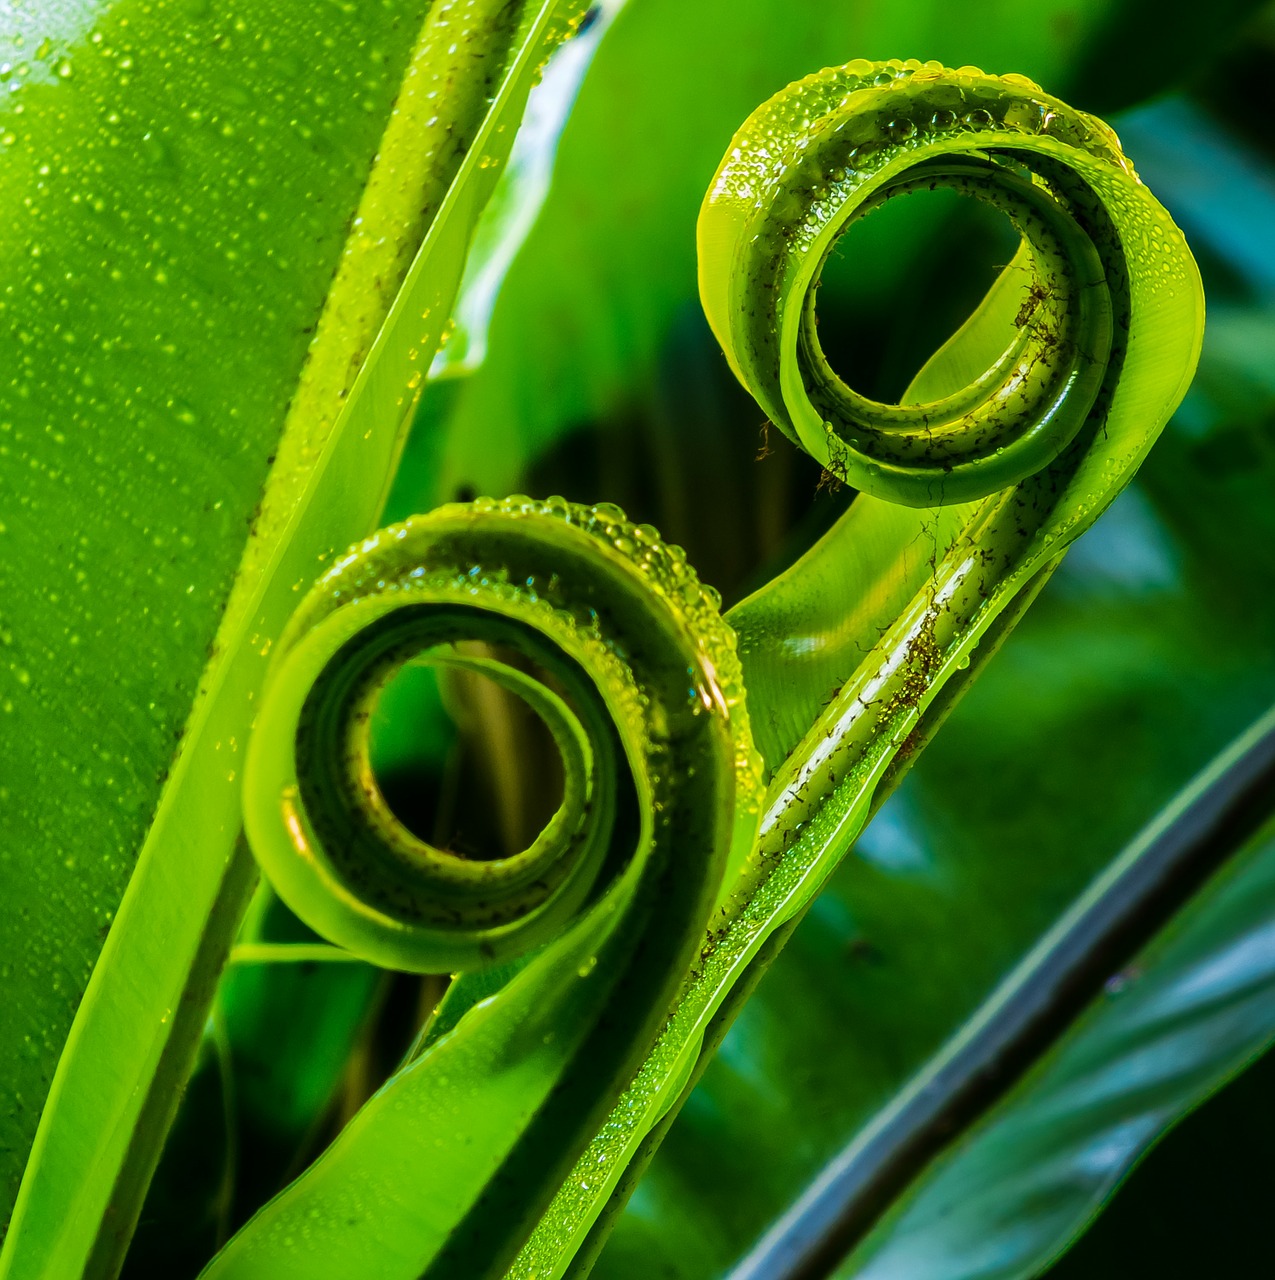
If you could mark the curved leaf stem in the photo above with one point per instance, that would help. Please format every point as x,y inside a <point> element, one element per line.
<point>291,953</point>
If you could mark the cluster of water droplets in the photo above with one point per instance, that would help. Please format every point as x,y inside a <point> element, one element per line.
<point>843,124</point>
<point>175,182</point>
<point>666,572</point>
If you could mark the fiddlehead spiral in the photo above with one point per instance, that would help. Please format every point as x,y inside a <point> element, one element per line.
<point>837,145</point>
<point>1042,405</point>
<point>593,926</point>
<point>642,676</point>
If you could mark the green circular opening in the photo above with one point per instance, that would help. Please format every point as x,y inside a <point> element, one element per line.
<point>902,280</point>
<point>461,761</point>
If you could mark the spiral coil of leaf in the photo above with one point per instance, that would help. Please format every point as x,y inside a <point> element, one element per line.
<point>836,146</point>
<point>643,693</point>
<point>645,676</point>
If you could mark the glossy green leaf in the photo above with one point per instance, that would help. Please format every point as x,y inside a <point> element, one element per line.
<point>288,1029</point>
<point>444,1172</point>
<point>1181,1017</point>
<point>1025,1142</point>
<point>888,963</point>
<point>292,1028</point>
<point>519,196</point>
<point>1201,1171</point>
<point>189,1209</point>
<point>1208,1169</point>
<point>166,268</point>
<point>190,215</point>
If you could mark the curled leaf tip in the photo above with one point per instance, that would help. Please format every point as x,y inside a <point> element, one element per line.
<point>633,663</point>
<point>622,934</point>
<point>834,147</point>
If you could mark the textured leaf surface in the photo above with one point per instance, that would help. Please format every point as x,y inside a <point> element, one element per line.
<point>1112,937</point>
<point>290,1029</point>
<point>447,1168</point>
<point>652,327</point>
<point>404,580</point>
<point>176,190</point>
<point>820,793</point>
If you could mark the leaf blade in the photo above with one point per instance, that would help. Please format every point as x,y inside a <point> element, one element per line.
<point>90,1160</point>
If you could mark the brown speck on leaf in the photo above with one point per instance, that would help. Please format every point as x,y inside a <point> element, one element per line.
<point>763,449</point>
<point>861,951</point>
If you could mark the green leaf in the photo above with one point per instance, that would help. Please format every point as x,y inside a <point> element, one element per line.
<point>1172,1017</point>
<point>593,924</point>
<point>294,508</point>
<point>188,1211</point>
<point>168,268</point>
<point>182,184</point>
<point>292,1031</point>
<point>1201,1171</point>
<point>1075,413</point>
<point>290,1017</point>
<point>1065,744</point>
<point>1184,1017</point>
<point>893,684</point>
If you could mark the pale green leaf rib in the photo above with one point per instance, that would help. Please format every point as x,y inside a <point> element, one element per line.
<point>519,196</point>
<point>289,953</point>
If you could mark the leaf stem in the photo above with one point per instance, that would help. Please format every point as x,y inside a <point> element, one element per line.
<point>291,953</point>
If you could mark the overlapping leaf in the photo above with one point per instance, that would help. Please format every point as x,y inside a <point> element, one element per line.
<point>176,190</point>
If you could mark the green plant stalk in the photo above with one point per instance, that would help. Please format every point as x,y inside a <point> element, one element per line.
<point>138,1025</point>
<point>1009,444</point>
<point>965,565</point>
